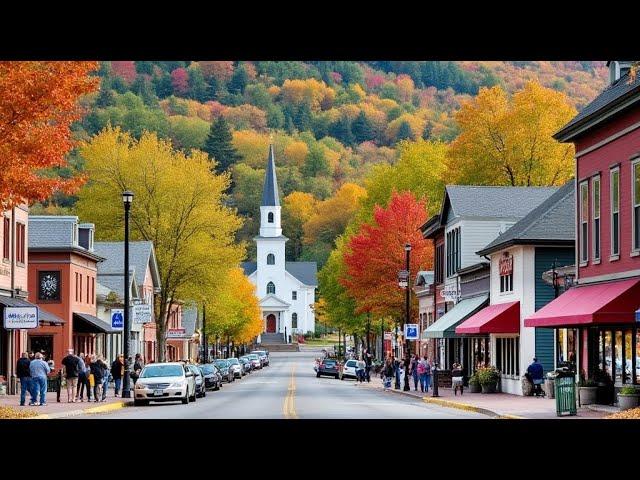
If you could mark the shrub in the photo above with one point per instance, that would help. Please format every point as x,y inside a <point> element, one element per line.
<point>488,375</point>
<point>473,380</point>
<point>588,382</point>
<point>628,390</point>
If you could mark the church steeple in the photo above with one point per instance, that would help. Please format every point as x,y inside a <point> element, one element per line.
<point>270,197</point>
<point>270,206</point>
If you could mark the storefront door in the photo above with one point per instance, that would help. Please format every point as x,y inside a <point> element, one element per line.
<point>619,354</point>
<point>41,343</point>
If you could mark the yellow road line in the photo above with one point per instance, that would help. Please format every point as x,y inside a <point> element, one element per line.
<point>289,406</point>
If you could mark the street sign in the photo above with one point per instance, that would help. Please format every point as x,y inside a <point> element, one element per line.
<point>176,333</point>
<point>388,335</point>
<point>16,318</point>
<point>141,313</point>
<point>411,331</point>
<point>403,278</point>
<point>117,318</point>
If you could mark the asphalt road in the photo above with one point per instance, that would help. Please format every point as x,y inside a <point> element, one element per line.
<point>288,389</point>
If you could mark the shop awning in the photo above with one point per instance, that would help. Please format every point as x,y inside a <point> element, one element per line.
<point>498,318</point>
<point>85,323</point>
<point>43,315</point>
<point>445,326</point>
<point>612,302</point>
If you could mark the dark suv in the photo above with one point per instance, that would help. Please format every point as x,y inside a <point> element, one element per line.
<point>328,367</point>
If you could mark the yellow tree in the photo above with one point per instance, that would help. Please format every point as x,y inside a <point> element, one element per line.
<point>508,140</point>
<point>297,208</point>
<point>332,215</point>
<point>178,205</point>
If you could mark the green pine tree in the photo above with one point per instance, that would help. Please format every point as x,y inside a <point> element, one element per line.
<point>362,128</point>
<point>428,128</point>
<point>404,132</point>
<point>219,147</point>
<point>239,80</point>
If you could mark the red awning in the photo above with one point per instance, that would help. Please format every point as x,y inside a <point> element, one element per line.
<point>498,318</point>
<point>613,302</point>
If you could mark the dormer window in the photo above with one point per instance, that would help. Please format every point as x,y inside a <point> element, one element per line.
<point>270,217</point>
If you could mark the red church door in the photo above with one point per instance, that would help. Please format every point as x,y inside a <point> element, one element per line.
<point>271,323</point>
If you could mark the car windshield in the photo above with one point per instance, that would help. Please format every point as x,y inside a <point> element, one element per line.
<point>254,357</point>
<point>259,353</point>
<point>221,364</point>
<point>233,361</point>
<point>206,369</point>
<point>329,363</point>
<point>153,371</point>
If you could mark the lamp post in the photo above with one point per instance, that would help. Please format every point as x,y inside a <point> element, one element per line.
<point>204,333</point>
<point>404,277</point>
<point>127,198</point>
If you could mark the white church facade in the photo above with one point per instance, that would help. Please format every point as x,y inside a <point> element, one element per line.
<point>286,289</point>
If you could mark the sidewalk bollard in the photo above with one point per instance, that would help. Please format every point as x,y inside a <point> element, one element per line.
<point>434,390</point>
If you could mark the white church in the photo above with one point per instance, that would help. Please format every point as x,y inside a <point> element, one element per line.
<point>286,289</point>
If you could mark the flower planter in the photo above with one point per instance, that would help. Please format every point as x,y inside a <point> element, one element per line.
<point>588,395</point>
<point>489,388</point>
<point>625,402</point>
<point>475,388</point>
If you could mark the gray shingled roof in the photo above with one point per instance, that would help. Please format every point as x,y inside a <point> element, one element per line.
<point>424,277</point>
<point>551,221</point>
<point>140,255</point>
<point>51,231</point>
<point>496,201</point>
<point>270,195</point>
<point>115,283</point>
<point>189,320</point>
<point>617,91</point>
<point>306,272</point>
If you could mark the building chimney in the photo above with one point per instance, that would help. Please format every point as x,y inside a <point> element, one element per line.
<point>85,234</point>
<point>617,69</point>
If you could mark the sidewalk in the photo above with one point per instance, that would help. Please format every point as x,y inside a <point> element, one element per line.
<point>497,405</point>
<point>64,409</point>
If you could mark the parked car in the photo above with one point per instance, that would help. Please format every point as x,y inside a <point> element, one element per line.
<point>165,382</point>
<point>201,390</point>
<point>212,376</point>
<point>349,369</point>
<point>264,357</point>
<point>225,370</point>
<point>236,367</point>
<point>328,367</point>
<point>246,364</point>
<point>256,363</point>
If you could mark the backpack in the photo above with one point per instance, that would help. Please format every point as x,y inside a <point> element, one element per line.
<point>421,368</point>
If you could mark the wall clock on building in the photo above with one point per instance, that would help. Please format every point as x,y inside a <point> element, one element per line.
<point>49,286</point>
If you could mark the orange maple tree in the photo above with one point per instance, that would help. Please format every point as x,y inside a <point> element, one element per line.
<point>38,103</point>
<point>375,255</point>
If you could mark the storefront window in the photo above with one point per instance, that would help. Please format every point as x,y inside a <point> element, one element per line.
<point>608,350</point>
<point>628,377</point>
<point>619,356</point>
<point>560,351</point>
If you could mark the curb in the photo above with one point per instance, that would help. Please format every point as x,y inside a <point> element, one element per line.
<point>74,413</point>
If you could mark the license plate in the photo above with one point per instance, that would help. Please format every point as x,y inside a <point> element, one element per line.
<point>157,392</point>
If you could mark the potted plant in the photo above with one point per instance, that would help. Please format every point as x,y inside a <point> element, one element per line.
<point>587,390</point>
<point>488,378</point>
<point>474,384</point>
<point>628,397</point>
<point>606,391</point>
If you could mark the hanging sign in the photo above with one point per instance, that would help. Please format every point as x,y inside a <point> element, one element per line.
<point>506,264</point>
<point>176,333</point>
<point>16,318</point>
<point>141,313</point>
<point>117,318</point>
<point>388,335</point>
<point>411,331</point>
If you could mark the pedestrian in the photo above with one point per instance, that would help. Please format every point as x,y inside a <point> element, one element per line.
<point>83,377</point>
<point>396,369</point>
<point>360,366</point>
<point>117,372</point>
<point>138,365</point>
<point>368,361</point>
<point>22,370</point>
<point>414,371</point>
<point>421,371</point>
<point>427,372</point>
<point>457,379</point>
<point>71,367</point>
<point>106,372</point>
<point>38,369</point>
<point>97,370</point>
<point>388,371</point>
<point>536,374</point>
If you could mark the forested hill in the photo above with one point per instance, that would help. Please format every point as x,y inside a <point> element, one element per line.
<point>330,121</point>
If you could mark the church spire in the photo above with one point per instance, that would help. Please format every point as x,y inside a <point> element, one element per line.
<point>270,197</point>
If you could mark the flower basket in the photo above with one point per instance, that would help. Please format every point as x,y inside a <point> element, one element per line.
<point>474,384</point>
<point>488,378</point>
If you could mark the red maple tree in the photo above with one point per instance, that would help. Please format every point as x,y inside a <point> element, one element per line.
<point>180,81</point>
<point>376,254</point>
<point>38,103</point>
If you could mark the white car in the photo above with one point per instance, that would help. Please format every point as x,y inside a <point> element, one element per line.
<point>165,382</point>
<point>236,367</point>
<point>264,357</point>
<point>349,369</point>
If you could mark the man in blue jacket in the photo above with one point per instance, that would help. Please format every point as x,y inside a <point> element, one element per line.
<point>535,371</point>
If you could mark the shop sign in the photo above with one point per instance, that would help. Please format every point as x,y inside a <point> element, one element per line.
<point>176,333</point>
<point>506,264</point>
<point>388,335</point>
<point>17,318</point>
<point>117,318</point>
<point>141,313</point>
<point>450,292</point>
<point>411,331</point>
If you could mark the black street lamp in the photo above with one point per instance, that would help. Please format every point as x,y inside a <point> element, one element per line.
<point>204,333</point>
<point>127,198</point>
<point>407,357</point>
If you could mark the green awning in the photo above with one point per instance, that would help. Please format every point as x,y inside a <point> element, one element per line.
<point>445,326</point>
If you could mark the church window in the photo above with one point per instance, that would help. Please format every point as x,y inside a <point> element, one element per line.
<point>271,259</point>
<point>270,217</point>
<point>294,295</point>
<point>271,288</point>
<point>294,320</point>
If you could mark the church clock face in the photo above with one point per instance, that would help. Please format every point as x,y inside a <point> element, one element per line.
<point>49,286</point>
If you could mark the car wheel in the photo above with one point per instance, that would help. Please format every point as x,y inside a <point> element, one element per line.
<point>204,394</point>
<point>185,400</point>
<point>192,398</point>
<point>337,377</point>
<point>342,377</point>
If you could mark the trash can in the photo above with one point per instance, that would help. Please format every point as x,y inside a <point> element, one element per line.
<point>565,396</point>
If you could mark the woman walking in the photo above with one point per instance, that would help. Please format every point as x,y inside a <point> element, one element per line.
<point>414,371</point>
<point>97,371</point>
<point>83,377</point>
<point>388,372</point>
<point>117,372</point>
<point>360,366</point>
<point>138,365</point>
